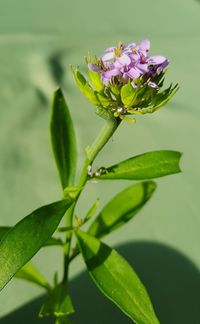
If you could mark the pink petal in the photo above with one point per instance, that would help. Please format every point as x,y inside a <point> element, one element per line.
<point>143,68</point>
<point>124,60</point>
<point>133,73</point>
<point>134,57</point>
<point>145,45</point>
<point>107,75</point>
<point>110,49</point>
<point>156,60</point>
<point>94,67</point>
<point>108,56</point>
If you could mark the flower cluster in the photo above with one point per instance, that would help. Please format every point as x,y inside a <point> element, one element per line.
<point>129,62</point>
<point>126,80</point>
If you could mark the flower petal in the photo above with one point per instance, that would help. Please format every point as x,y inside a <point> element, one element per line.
<point>162,66</point>
<point>108,56</point>
<point>110,49</point>
<point>124,60</point>
<point>143,68</point>
<point>133,73</point>
<point>94,67</point>
<point>156,60</point>
<point>135,57</point>
<point>128,47</point>
<point>145,45</point>
<point>107,75</point>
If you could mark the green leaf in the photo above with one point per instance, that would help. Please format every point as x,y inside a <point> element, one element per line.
<point>145,166</point>
<point>85,87</point>
<point>91,211</point>
<point>96,80</point>
<point>128,95</point>
<point>30,273</point>
<point>163,97</point>
<point>116,279</point>
<point>122,208</point>
<point>104,100</point>
<point>23,240</point>
<point>53,241</point>
<point>50,242</point>
<point>63,320</point>
<point>63,139</point>
<point>3,231</point>
<point>58,303</point>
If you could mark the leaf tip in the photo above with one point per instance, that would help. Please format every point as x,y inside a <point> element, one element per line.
<point>179,161</point>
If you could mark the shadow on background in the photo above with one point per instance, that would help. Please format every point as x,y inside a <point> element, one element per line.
<point>172,281</point>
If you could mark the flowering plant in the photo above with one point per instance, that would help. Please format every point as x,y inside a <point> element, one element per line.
<point>124,81</point>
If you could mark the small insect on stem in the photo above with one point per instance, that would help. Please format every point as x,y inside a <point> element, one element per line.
<point>100,171</point>
<point>97,173</point>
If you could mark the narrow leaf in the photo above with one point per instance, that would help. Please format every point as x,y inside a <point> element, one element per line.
<point>96,80</point>
<point>30,273</point>
<point>85,87</point>
<point>122,208</point>
<point>23,240</point>
<point>53,241</point>
<point>145,166</point>
<point>91,211</point>
<point>63,320</point>
<point>63,139</point>
<point>116,279</point>
<point>58,303</point>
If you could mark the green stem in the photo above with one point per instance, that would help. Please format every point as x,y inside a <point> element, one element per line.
<point>104,136</point>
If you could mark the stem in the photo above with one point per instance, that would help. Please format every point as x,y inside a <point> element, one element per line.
<point>104,136</point>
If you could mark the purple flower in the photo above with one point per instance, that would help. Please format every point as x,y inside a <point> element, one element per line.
<point>94,67</point>
<point>125,80</point>
<point>129,62</point>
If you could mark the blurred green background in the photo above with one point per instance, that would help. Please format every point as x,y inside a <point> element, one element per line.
<point>38,41</point>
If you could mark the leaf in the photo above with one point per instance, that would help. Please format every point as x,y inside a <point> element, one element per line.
<point>58,303</point>
<point>63,139</point>
<point>91,211</point>
<point>50,242</point>
<point>116,279</point>
<point>85,87</point>
<point>96,80</point>
<point>145,166</point>
<point>104,101</point>
<point>3,231</point>
<point>122,208</point>
<point>53,241</point>
<point>23,240</point>
<point>128,95</point>
<point>163,97</point>
<point>30,273</point>
<point>63,320</point>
